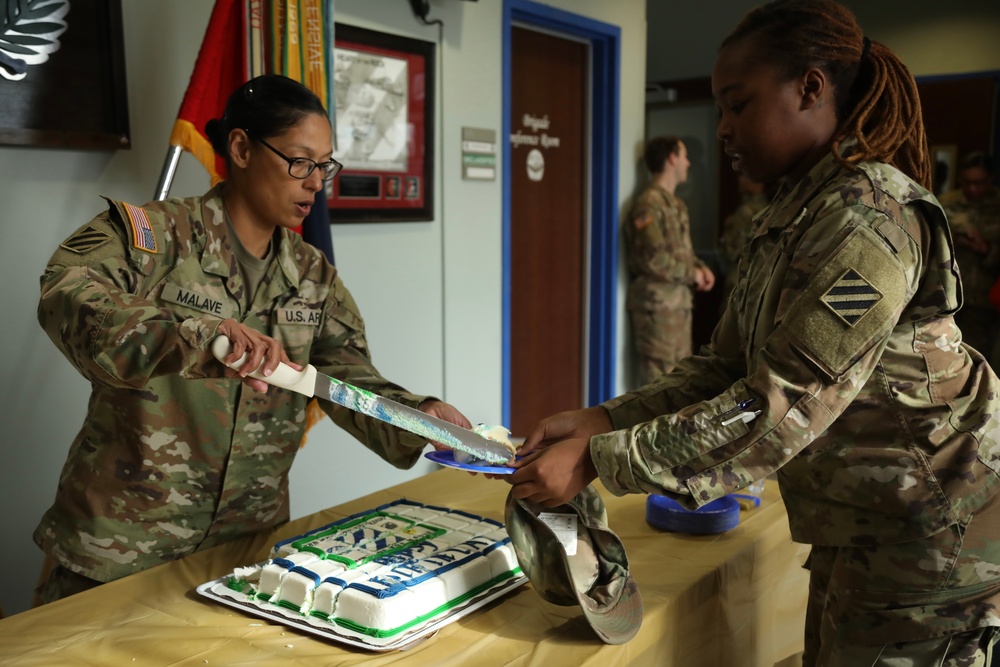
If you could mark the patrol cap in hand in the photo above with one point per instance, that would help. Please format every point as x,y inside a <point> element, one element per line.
<point>596,577</point>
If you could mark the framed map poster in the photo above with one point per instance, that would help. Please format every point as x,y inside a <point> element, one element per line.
<point>384,114</point>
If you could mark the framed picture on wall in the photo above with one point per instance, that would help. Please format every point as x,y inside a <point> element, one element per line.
<point>62,75</point>
<point>384,116</point>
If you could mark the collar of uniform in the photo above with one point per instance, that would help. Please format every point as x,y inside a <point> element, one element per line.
<point>790,199</point>
<point>670,198</point>
<point>217,258</point>
<point>286,256</point>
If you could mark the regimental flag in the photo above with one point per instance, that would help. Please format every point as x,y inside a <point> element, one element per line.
<point>851,297</point>
<point>301,42</point>
<point>316,226</point>
<point>301,48</point>
<point>221,67</point>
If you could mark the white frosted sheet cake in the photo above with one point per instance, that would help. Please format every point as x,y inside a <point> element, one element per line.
<point>380,575</point>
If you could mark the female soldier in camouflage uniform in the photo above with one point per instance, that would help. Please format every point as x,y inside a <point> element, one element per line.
<point>173,457</point>
<point>838,364</point>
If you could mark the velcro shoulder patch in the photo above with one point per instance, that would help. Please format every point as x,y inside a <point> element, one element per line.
<point>140,232</point>
<point>643,221</point>
<point>143,237</point>
<point>851,297</point>
<point>849,304</point>
<point>85,240</point>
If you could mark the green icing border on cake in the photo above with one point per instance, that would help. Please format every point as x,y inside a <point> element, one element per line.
<point>238,585</point>
<point>451,604</point>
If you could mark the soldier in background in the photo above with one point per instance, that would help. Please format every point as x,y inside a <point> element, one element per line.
<point>738,227</point>
<point>841,371</point>
<point>661,263</point>
<point>176,454</point>
<point>974,214</point>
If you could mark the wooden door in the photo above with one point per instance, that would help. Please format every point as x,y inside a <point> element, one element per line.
<point>548,231</point>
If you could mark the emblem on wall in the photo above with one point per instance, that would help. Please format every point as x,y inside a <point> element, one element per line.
<point>29,32</point>
<point>536,164</point>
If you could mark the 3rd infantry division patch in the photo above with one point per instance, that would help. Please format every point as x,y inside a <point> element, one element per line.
<point>851,297</point>
<point>87,239</point>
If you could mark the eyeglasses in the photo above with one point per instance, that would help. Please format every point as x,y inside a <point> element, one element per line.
<point>302,167</point>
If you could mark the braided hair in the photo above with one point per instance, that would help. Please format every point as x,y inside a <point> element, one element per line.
<point>876,98</point>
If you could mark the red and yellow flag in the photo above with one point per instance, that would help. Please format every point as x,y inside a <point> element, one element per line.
<point>220,68</point>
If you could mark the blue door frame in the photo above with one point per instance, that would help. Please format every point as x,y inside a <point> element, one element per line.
<point>605,43</point>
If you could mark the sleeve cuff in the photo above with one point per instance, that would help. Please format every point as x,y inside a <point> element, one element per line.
<point>610,454</point>
<point>614,409</point>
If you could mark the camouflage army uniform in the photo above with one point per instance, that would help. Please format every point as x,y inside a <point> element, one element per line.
<point>736,232</point>
<point>169,461</point>
<point>881,426</point>
<point>978,319</point>
<point>661,263</point>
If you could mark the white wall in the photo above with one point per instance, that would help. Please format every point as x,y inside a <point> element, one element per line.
<point>429,291</point>
<point>930,36</point>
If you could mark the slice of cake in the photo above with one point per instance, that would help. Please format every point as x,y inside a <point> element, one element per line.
<point>496,433</point>
<point>382,573</point>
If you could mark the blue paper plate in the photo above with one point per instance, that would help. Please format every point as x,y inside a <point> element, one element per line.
<point>717,516</point>
<point>446,457</point>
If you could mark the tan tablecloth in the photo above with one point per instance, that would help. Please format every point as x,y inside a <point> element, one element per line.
<point>732,599</point>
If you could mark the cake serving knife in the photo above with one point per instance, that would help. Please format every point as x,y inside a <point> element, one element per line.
<point>311,382</point>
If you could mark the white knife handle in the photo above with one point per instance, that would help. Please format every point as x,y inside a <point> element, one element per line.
<point>284,376</point>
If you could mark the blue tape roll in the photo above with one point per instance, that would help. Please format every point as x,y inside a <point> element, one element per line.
<point>717,516</point>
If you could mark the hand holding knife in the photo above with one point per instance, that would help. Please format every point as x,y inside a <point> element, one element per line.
<point>310,382</point>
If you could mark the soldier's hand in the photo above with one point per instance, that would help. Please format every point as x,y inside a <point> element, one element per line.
<point>553,475</point>
<point>262,352</point>
<point>563,425</point>
<point>447,412</point>
<point>972,238</point>
<point>704,279</point>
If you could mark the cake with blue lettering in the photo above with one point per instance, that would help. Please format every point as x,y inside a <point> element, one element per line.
<point>383,573</point>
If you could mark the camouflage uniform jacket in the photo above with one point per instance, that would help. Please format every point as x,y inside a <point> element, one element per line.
<point>881,426</point>
<point>168,460</point>
<point>736,232</point>
<point>979,271</point>
<point>661,259</point>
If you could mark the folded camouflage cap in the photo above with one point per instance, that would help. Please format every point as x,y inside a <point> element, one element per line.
<point>596,577</point>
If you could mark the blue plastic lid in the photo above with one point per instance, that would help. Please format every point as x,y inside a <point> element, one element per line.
<point>717,516</point>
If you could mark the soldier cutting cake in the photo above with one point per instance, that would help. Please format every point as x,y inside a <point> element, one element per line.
<point>174,456</point>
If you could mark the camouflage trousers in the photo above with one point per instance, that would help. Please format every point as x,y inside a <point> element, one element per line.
<point>57,582</point>
<point>662,338</point>
<point>926,602</point>
<point>966,649</point>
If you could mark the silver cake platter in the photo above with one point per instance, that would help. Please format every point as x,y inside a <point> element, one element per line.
<point>218,591</point>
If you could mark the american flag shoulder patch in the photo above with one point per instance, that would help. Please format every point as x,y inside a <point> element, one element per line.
<point>851,297</point>
<point>143,237</point>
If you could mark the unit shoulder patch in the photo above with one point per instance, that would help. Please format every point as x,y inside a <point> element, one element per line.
<point>849,304</point>
<point>851,297</point>
<point>86,240</point>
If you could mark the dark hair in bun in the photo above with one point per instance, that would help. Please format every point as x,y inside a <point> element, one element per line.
<point>265,106</point>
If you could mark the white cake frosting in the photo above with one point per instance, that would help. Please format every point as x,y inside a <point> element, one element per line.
<point>383,572</point>
<point>494,432</point>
